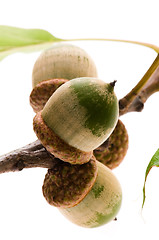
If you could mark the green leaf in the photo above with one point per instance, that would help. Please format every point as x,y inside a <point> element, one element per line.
<point>153,162</point>
<point>14,39</point>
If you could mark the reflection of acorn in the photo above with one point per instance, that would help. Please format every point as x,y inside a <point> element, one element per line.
<point>54,67</point>
<point>114,149</point>
<point>89,195</point>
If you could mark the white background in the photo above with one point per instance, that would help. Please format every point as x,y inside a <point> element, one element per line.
<point>24,213</point>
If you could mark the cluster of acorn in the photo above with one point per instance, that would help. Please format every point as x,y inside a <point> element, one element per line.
<point>77,121</point>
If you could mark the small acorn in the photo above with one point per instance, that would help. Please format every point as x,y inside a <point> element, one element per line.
<point>113,150</point>
<point>54,67</point>
<point>89,195</point>
<point>79,116</point>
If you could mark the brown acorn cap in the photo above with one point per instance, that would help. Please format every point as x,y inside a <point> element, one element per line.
<point>43,91</point>
<point>56,145</point>
<point>113,150</point>
<point>66,185</point>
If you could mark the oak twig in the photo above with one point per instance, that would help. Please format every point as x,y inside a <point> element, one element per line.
<point>32,155</point>
<point>149,84</point>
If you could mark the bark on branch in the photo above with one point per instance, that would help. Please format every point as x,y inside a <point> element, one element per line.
<point>134,101</point>
<point>29,156</point>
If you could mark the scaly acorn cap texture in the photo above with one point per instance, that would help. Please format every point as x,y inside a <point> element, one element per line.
<point>56,146</point>
<point>43,91</point>
<point>66,185</point>
<point>112,152</point>
<point>63,61</point>
<point>101,204</point>
<point>83,112</point>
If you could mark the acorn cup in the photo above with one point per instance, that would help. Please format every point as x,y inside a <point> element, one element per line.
<point>56,66</point>
<point>43,91</point>
<point>79,116</point>
<point>112,152</point>
<point>66,185</point>
<point>89,195</point>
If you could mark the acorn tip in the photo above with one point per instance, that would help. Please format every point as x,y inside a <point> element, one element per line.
<point>113,83</point>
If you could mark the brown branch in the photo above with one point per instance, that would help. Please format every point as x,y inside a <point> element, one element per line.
<point>149,84</point>
<point>30,156</point>
<point>150,88</point>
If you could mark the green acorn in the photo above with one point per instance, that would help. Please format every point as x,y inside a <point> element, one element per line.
<point>82,113</point>
<point>101,204</point>
<point>113,150</point>
<point>58,64</point>
<point>89,195</point>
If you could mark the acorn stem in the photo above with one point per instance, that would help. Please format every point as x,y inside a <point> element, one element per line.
<point>113,83</point>
<point>149,84</point>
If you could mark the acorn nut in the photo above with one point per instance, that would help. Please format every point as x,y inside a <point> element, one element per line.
<point>54,67</point>
<point>101,204</point>
<point>89,195</point>
<point>79,116</point>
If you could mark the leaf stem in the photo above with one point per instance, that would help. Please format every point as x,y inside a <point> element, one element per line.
<point>152,46</point>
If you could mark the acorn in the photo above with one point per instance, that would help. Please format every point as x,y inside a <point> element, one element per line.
<point>79,116</point>
<point>54,67</point>
<point>112,152</point>
<point>97,205</point>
